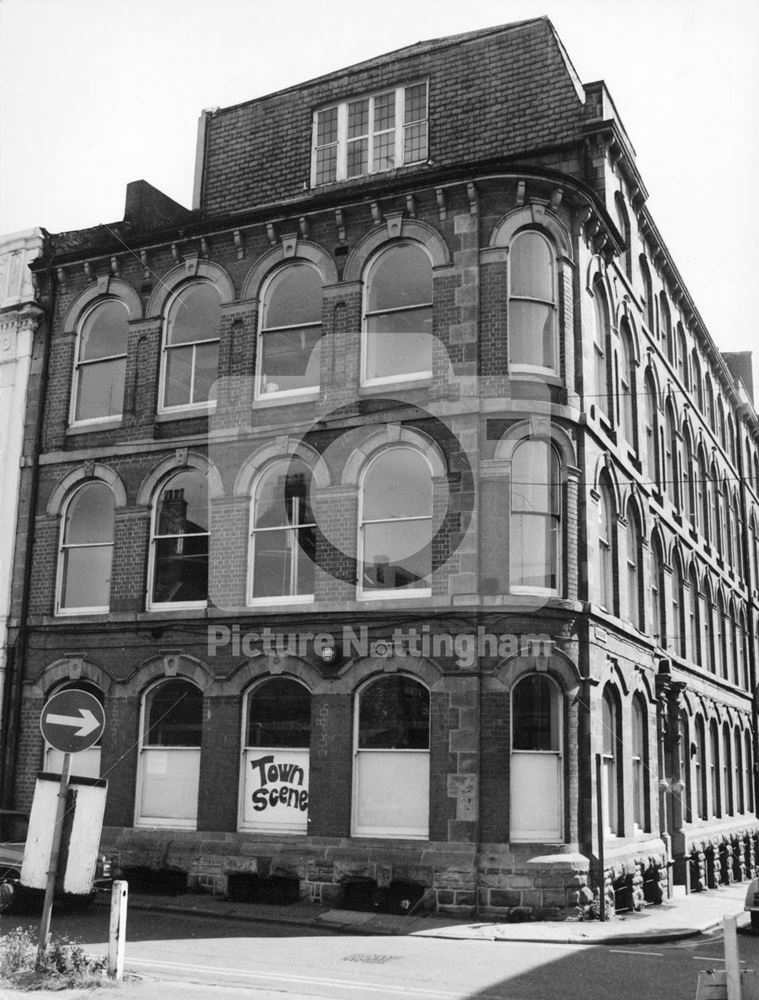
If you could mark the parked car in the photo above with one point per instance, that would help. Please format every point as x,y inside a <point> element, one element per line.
<point>752,903</point>
<point>13,894</point>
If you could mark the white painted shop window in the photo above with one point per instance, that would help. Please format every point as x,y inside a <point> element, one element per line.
<point>532,318</point>
<point>179,550</point>
<point>282,535</point>
<point>190,355</point>
<point>101,351</point>
<point>86,763</point>
<point>391,769</point>
<point>168,769</point>
<point>395,525</point>
<point>611,754</point>
<point>274,779</point>
<point>536,775</point>
<point>370,135</point>
<point>640,763</point>
<point>290,330</point>
<point>86,551</point>
<point>397,338</point>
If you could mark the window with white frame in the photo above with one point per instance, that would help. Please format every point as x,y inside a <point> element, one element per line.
<point>740,798</point>
<point>694,638</point>
<point>85,763</point>
<point>677,631</point>
<point>275,757</point>
<point>716,803</point>
<point>398,316</point>
<point>535,529</point>
<point>169,763</point>
<point>536,776</point>
<point>86,550</point>
<point>101,363</point>
<point>395,543</point>
<point>627,408</point>
<point>371,134</point>
<point>180,541</point>
<point>391,777</point>
<point>610,757</point>
<point>727,769</point>
<point>532,316</point>
<point>190,358</point>
<point>290,330</point>
<point>639,764</point>
<point>600,347</point>
<point>657,592</point>
<point>282,534</point>
<point>605,555</point>
<point>700,768</point>
<point>634,604</point>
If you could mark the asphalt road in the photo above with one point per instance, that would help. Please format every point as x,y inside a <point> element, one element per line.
<point>230,960</point>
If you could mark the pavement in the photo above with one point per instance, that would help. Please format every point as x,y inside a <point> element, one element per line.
<point>683,917</point>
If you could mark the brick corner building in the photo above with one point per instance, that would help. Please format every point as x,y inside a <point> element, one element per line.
<point>399,507</point>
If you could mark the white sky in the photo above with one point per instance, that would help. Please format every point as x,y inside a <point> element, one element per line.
<point>96,93</point>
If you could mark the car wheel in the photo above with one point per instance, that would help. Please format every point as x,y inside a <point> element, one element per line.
<point>8,896</point>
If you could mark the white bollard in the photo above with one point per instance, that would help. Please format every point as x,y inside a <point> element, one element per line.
<point>117,933</point>
<point>732,961</point>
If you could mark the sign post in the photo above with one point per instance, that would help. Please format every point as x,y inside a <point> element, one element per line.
<point>71,721</point>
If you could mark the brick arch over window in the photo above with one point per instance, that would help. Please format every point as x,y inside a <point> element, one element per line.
<point>539,430</point>
<point>105,288</point>
<point>289,251</point>
<point>83,474</point>
<point>293,448</point>
<point>170,666</point>
<point>173,464</point>
<point>559,667</point>
<point>408,229</point>
<point>188,271</point>
<point>262,667</point>
<point>66,670</point>
<point>532,217</point>
<point>359,671</point>
<point>391,435</point>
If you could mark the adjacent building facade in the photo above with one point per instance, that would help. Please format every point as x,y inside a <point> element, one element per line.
<point>398,505</point>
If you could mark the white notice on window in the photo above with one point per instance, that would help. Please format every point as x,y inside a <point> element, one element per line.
<point>156,762</point>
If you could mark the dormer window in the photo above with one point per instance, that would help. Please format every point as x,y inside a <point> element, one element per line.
<point>370,135</point>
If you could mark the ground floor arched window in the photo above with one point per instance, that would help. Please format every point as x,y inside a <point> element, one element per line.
<point>536,779</point>
<point>85,763</point>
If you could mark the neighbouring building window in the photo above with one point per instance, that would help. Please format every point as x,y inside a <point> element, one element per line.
<point>627,407</point>
<point>86,551</point>
<point>610,739</point>
<point>101,363</point>
<point>536,760</point>
<point>605,555</point>
<point>727,770</point>
<point>169,762</point>
<point>671,479</point>
<point>395,528</point>
<point>652,430</point>
<point>191,346</point>
<point>657,594</point>
<point>700,768</point>
<point>275,757</point>
<point>398,316</point>
<point>600,347</point>
<point>634,603</point>
<point>391,777</point>
<point>749,762</point>
<point>532,319</point>
<point>683,754</point>
<point>740,797</point>
<point>677,640</point>
<point>283,534</point>
<point>694,619</point>
<point>535,534</point>
<point>716,803</point>
<point>682,356</point>
<point>370,134</point>
<point>180,541</point>
<point>290,330</point>
<point>639,764</point>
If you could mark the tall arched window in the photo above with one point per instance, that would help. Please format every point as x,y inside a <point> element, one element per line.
<point>627,408</point>
<point>727,770</point>
<point>190,361</point>
<point>726,525</point>
<point>677,628</point>
<point>532,303</point>
<point>640,764</point>
<point>283,534</point>
<point>715,516</point>
<point>85,763</point>
<point>687,476</point>
<point>694,618</point>
<point>611,755</point>
<point>601,341</point>
<point>180,541</point>
<point>716,801</point>
<point>666,328</point>
<point>624,231</point>
<point>535,517</point>
<point>536,760</point>
<point>658,614</point>
<point>700,767</point>
<point>169,762</point>
<point>634,553</point>
<point>652,430</point>
<point>671,477</point>
<point>683,753</point>
<point>740,797</point>
<point>395,549</point>
<point>605,554</point>
<point>275,757</point>
<point>648,291</point>
<point>708,622</point>
<point>737,525</point>
<point>749,763</point>
<point>682,356</point>
<point>86,550</point>
<point>720,637</point>
<point>289,333</point>
<point>697,385</point>
<point>101,362</point>
<point>398,316</point>
<point>391,774</point>
<point>709,400</point>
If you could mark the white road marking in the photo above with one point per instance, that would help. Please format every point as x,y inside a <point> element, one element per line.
<point>630,951</point>
<point>705,958</point>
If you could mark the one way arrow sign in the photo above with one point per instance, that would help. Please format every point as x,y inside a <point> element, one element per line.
<point>72,720</point>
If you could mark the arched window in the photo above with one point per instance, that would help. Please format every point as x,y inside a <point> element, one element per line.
<point>634,553</point>
<point>605,554</point>
<point>740,796</point>
<point>532,303</point>
<point>627,408</point>
<point>716,802</point>
<point>744,653</point>
<point>85,763</point>
<point>666,328</point>
<point>727,770</point>
<point>180,541</point>
<point>398,316</point>
<point>708,621</point>
<point>191,346</point>
<point>754,550</point>
<point>101,362</point>
<point>726,525</point>
<point>652,430</point>
<point>687,477</point>
<point>700,767</point>
<point>749,762</point>
<point>535,517</point>
<point>395,548</point>
<point>282,534</point>
<point>289,333</point>
<point>737,524</point>
<point>86,551</point>
<point>640,764</point>
<point>601,342</point>
<point>611,756</point>
<point>624,230</point>
<point>715,517</point>
<point>694,618</point>
<point>169,762</point>
<point>536,760</point>
<point>275,757</point>
<point>677,629</point>
<point>648,291</point>
<point>720,636</point>
<point>720,410</point>
<point>709,401</point>
<point>658,614</point>
<point>671,478</point>
<point>683,753</point>
<point>392,759</point>
<point>682,356</point>
<point>697,385</point>
<point>705,491</point>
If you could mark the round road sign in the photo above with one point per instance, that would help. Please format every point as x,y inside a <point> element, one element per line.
<point>72,720</point>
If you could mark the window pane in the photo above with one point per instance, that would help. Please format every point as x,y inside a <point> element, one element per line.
<point>402,278</point>
<point>105,332</point>
<point>415,108</point>
<point>86,576</point>
<point>399,343</point>
<point>282,496</point>
<point>358,119</point>
<point>290,359</point>
<point>535,478</point>
<point>531,334</point>
<point>415,143</point>
<point>275,562</point>
<point>533,551</point>
<point>173,713</point>
<point>293,297</point>
<point>178,377</point>
<point>89,517</point>
<point>181,569</point>
<point>534,715</point>
<point>531,268</point>
<point>397,554</point>
<point>326,126</point>
<point>279,715</point>
<point>384,111</point>
<point>358,157</point>
<point>326,164</point>
<point>100,389</point>
<point>195,315</point>
<point>398,484</point>
<point>384,151</point>
<point>206,372</point>
<point>183,505</point>
<point>394,715</point>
